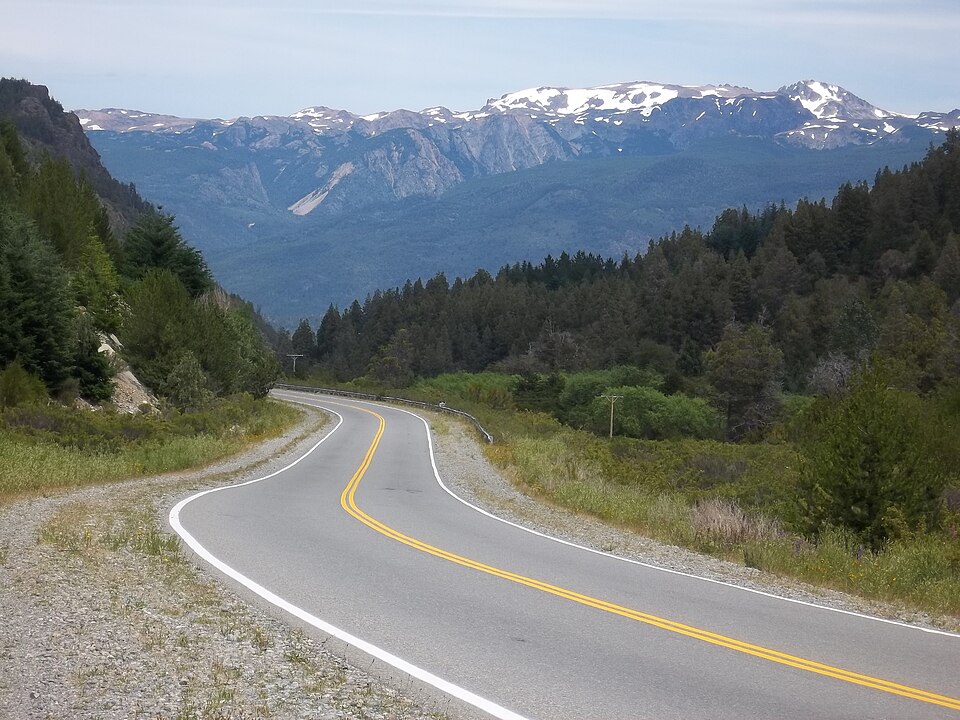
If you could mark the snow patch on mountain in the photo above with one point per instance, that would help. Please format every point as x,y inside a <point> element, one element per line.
<point>118,120</point>
<point>642,98</point>
<point>825,101</point>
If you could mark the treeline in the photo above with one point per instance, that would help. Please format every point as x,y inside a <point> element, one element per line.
<point>873,273</point>
<point>66,280</point>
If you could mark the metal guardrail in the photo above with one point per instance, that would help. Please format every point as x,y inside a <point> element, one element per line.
<point>441,407</point>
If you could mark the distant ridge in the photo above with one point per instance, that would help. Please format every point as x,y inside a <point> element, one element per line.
<point>329,205</point>
<point>826,115</point>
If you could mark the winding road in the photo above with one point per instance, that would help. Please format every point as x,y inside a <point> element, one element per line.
<point>360,540</point>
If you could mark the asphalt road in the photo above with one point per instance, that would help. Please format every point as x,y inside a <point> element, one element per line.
<point>360,540</point>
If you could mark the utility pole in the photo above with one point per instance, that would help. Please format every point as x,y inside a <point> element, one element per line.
<point>613,401</point>
<point>289,355</point>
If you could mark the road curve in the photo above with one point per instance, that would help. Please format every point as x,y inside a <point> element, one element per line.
<point>359,540</point>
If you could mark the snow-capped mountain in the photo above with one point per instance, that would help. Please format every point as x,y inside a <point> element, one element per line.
<point>328,160</point>
<point>117,120</point>
<point>820,115</point>
<point>602,168</point>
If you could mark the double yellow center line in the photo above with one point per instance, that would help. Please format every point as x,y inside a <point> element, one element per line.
<point>348,501</point>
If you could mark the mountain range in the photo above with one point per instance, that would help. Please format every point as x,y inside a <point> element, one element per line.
<point>324,206</point>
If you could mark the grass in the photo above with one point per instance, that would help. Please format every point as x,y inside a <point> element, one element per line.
<point>921,571</point>
<point>82,529</point>
<point>50,448</point>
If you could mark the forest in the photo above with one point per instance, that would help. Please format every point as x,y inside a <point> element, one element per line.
<point>873,273</point>
<point>828,333</point>
<point>68,281</point>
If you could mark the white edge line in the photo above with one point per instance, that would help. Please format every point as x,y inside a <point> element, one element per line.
<point>425,676</point>
<point>724,583</point>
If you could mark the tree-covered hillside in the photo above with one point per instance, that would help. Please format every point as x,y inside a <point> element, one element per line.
<point>44,127</point>
<point>67,279</point>
<point>601,205</point>
<point>874,272</point>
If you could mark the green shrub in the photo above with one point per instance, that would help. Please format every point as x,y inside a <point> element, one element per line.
<point>644,412</point>
<point>580,390</point>
<point>869,464</point>
<point>475,387</point>
<point>187,384</point>
<point>18,387</point>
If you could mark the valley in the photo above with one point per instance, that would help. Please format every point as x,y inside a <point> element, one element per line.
<point>330,206</point>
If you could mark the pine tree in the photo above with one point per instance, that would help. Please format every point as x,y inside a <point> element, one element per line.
<point>155,243</point>
<point>34,304</point>
<point>869,464</point>
<point>305,344</point>
<point>13,163</point>
<point>91,369</point>
<point>741,291</point>
<point>160,315</point>
<point>745,370</point>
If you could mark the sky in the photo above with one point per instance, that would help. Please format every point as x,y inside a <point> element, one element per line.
<point>227,58</point>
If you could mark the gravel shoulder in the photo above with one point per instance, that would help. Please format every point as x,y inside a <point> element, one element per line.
<point>105,616</point>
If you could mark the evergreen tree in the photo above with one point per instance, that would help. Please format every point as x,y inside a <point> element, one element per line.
<point>304,343</point>
<point>393,365</point>
<point>777,275</point>
<point>64,209</point>
<point>155,243</point>
<point>96,285</point>
<point>869,465</point>
<point>850,224</point>
<point>34,304</point>
<point>741,291</point>
<point>160,314</point>
<point>91,369</point>
<point>745,370</point>
<point>327,333</point>
<point>13,165</point>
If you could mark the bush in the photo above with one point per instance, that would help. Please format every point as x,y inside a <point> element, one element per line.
<point>187,384</point>
<point>18,387</point>
<point>91,369</point>
<point>869,464</point>
<point>643,412</point>
<point>580,390</point>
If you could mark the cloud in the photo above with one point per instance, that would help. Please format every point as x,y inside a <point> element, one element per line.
<point>852,13</point>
